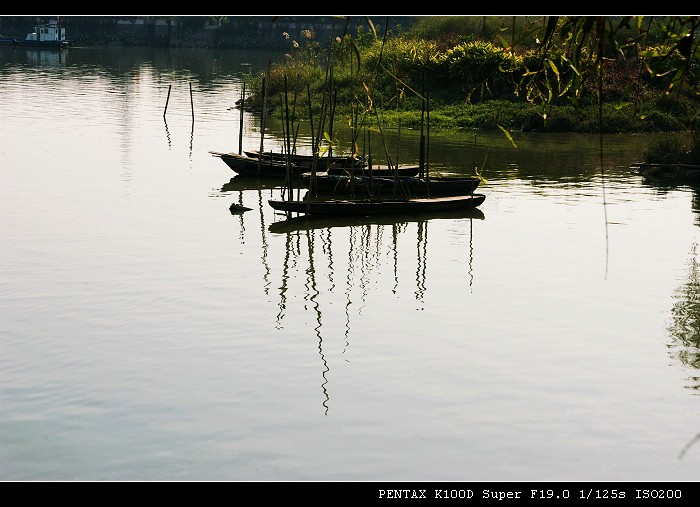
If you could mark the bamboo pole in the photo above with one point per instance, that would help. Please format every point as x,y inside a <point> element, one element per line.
<point>167,100</point>
<point>427,134</point>
<point>421,153</point>
<point>191,102</point>
<point>240,127</point>
<point>287,137</point>
<point>263,113</point>
<point>314,153</point>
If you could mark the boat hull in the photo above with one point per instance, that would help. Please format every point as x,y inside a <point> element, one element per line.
<point>325,183</point>
<point>305,162</point>
<point>255,166</point>
<point>380,206</point>
<point>47,45</point>
<point>248,166</point>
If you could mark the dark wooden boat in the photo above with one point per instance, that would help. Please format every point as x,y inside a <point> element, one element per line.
<point>305,162</point>
<point>362,184</point>
<point>314,222</point>
<point>378,206</point>
<point>249,166</point>
<point>262,167</point>
<point>378,171</point>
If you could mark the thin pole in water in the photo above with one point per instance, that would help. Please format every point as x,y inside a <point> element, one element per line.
<point>287,137</point>
<point>191,102</point>
<point>167,100</point>
<point>240,128</point>
<point>427,134</point>
<point>262,114</point>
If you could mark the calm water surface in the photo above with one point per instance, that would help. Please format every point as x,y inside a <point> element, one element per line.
<point>149,334</point>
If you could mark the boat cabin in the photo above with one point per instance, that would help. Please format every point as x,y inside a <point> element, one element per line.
<point>48,32</point>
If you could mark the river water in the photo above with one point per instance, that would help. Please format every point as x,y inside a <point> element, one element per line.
<point>147,333</point>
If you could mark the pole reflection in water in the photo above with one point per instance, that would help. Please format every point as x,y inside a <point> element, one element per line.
<point>312,295</point>
<point>167,133</point>
<point>265,246</point>
<point>191,139</point>
<point>240,218</point>
<point>421,241</point>
<point>471,254</point>
<point>292,254</point>
<point>366,249</point>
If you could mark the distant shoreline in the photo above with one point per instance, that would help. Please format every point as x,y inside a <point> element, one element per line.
<point>209,32</point>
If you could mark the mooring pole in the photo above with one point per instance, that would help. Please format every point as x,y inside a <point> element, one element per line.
<point>191,102</point>
<point>240,128</point>
<point>167,100</point>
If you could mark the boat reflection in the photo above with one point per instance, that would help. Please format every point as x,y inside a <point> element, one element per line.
<point>327,256</point>
<point>33,57</point>
<point>239,182</point>
<point>41,58</point>
<point>310,222</point>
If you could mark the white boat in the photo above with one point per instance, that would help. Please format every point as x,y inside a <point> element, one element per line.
<point>49,35</point>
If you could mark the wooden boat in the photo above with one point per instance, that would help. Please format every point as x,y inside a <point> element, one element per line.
<point>378,206</point>
<point>378,171</point>
<point>325,183</point>
<point>255,166</point>
<point>249,166</point>
<point>305,162</point>
<point>314,222</point>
